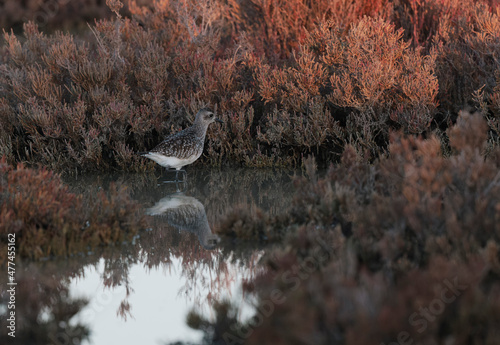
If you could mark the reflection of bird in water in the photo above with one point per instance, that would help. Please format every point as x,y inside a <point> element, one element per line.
<point>188,214</point>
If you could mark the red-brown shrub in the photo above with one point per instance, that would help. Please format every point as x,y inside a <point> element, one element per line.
<point>47,219</point>
<point>289,78</point>
<point>467,49</point>
<point>369,248</point>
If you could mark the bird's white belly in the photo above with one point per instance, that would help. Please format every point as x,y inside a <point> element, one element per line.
<point>171,162</point>
<point>173,202</point>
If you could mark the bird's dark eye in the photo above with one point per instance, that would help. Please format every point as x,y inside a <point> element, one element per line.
<point>211,115</point>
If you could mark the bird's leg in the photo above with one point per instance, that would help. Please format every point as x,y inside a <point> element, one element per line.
<point>167,171</point>
<point>177,175</point>
<point>178,188</point>
<point>185,175</point>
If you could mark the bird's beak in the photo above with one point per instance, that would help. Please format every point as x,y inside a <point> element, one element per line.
<point>219,120</point>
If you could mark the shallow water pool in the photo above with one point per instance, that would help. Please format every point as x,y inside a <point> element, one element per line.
<point>142,291</point>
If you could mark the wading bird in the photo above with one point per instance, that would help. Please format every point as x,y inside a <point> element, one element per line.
<point>184,147</point>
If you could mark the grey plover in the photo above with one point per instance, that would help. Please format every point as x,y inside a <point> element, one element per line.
<point>184,147</point>
<point>186,213</point>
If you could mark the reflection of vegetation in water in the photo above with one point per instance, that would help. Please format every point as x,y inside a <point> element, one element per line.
<point>116,273</point>
<point>208,275</point>
<point>48,219</point>
<point>43,307</point>
<point>220,190</point>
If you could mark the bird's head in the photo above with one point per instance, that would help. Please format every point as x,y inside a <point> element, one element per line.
<point>206,116</point>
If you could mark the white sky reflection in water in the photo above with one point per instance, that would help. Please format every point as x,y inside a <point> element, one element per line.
<point>158,311</point>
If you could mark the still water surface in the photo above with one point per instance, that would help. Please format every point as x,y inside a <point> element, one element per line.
<point>141,292</point>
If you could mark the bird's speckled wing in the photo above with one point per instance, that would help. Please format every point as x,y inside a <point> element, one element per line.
<point>181,145</point>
